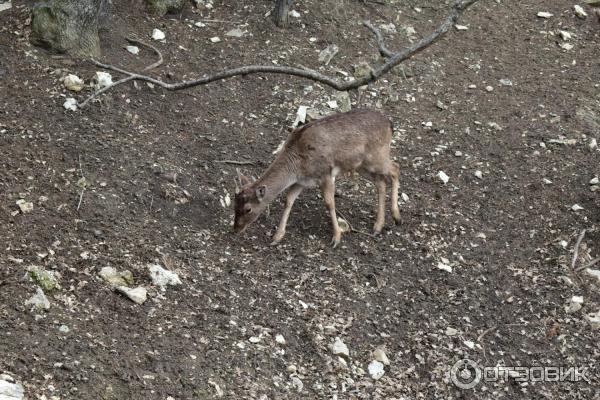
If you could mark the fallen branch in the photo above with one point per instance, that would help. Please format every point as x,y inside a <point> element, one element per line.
<point>160,60</point>
<point>588,265</point>
<point>576,251</point>
<point>394,59</point>
<point>234,162</point>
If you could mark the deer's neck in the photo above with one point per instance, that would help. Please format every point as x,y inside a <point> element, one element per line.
<point>280,175</point>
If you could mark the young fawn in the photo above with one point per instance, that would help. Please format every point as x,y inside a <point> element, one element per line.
<point>314,154</point>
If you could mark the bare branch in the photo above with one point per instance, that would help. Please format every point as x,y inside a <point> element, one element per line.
<point>384,51</point>
<point>393,60</point>
<point>158,53</point>
<point>576,250</point>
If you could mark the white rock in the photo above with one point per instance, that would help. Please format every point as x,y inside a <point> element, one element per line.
<point>443,177</point>
<point>38,301</point>
<point>327,54</point>
<point>478,174</point>
<point>112,276</point>
<point>162,277</point>
<point>566,46</point>
<point>297,383</point>
<point>470,344</point>
<point>157,34</point>
<point>404,197</point>
<point>506,82</point>
<point>280,339</point>
<point>10,390</point>
<point>295,14</point>
<point>237,32</point>
<point>576,207</point>
<point>574,305</point>
<point>254,339</point>
<point>200,24</point>
<point>376,369</point>
<point>580,12</point>
<point>565,35</point>
<point>73,83</point>
<point>339,348</point>
<point>461,27</point>
<point>215,39</point>
<point>451,331</point>
<point>545,14</point>
<point>594,181</point>
<point>300,116</point>
<point>593,272</point>
<point>6,5</point>
<point>489,88</point>
<point>593,319</point>
<point>593,144</point>
<point>102,79</point>
<point>64,329</point>
<point>547,181</point>
<point>379,355</point>
<point>133,49</point>
<point>444,267</point>
<point>70,104</point>
<point>388,28</point>
<point>343,224</point>
<point>25,206</point>
<point>332,104</point>
<point>137,295</point>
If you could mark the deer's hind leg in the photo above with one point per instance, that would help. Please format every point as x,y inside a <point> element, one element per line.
<point>394,175</point>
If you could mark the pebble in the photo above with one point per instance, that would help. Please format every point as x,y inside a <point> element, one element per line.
<point>102,79</point>
<point>295,14</point>
<point>379,355</point>
<point>137,295</point>
<point>133,49</point>
<point>339,348</point>
<point>70,104</point>
<point>64,329</point>
<point>580,12</point>
<point>451,331</point>
<point>593,272</point>
<point>576,207</point>
<point>545,14</point>
<point>215,39</point>
<point>593,319</point>
<point>444,267</point>
<point>114,277</point>
<point>237,32</point>
<point>297,383</point>
<point>280,339</point>
<point>162,277</point>
<point>73,83</point>
<point>565,35</point>
<point>574,305</point>
<point>443,177</point>
<point>489,88</point>
<point>38,301</point>
<point>461,27</point>
<point>478,174</point>
<point>25,206</point>
<point>157,34</point>
<point>376,369</point>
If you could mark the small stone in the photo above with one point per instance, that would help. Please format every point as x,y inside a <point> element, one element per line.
<point>595,181</point>
<point>25,206</point>
<point>547,181</point>
<point>379,355</point>
<point>294,14</point>
<point>133,49</point>
<point>291,369</point>
<point>444,267</point>
<point>489,88</point>
<point>594,273</point>
<point>332,104</point>
<point>38,301</point>
<point>506,82</point>
<point>112,276</point>
<point>376,369</point>
<point>580,12</point>
<point>405,197</point>
<point>70,104</point>
<point>576,207</point>
<point>64,329</point>
<point>339,348</point>
<point>343,99</point>
<point>458,153</point>
<point>327,54</point>
<point>565,35</point>
<point>162,277</point>
<point>461,27</point>
<point>200,24</point>
<point>478,174</point>
<point>8,389</point>
<point>451,331</point>
<point>73,83</point>
<point>157,34</point>
<point>215,39</point>
<point>593,144</point>
<point>566,46</point>
<point>101,80</point>
<point>545,14</point>
<point>362,70</point>
<point>297,383</point>
<point>470,344</point>
<point>574,305</point>
<point>443,177</point>
<point>343,224</point>
<point>593,319</point>
<point>388,28</point>
<point>137,295</point>
<point>280,339</point>
<point>237,32</point>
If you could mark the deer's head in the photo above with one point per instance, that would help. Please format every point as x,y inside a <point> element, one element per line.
<point>249,202</point>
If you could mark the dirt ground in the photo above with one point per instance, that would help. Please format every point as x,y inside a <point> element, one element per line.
<point>503,98</point>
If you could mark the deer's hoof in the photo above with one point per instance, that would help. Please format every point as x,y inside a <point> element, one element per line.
<point>277,238</point>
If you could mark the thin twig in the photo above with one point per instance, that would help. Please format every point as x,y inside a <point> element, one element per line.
<point>80,199</point>
<point>588,265</point>
<point>394,59</point>
<point>83,188</point>
<point>384,51</point>
<point>234,162</point>
<point>486,332</point>
<point>352,228</point>
<point>158,53</point>
<point>576,251</point>
<point>104,89</point>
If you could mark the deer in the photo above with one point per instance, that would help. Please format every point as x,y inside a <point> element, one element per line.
<point>313,155</point>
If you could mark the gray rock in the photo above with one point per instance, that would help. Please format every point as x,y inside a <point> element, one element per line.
<point>163,277</point>
<point>343,100</point>
<point>5,5</point>
<point>10,390</point>
<point>38,301</point>
<point>114,277</point>
<point>339,348</point>
<point>137,295</point>
<point>162,7</point>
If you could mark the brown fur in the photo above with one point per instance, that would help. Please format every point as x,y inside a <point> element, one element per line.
<point>313,154</point>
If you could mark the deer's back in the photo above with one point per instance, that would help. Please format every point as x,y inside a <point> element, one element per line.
<point>342,140</point>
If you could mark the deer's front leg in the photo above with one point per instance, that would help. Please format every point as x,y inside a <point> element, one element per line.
<point>328,190</point>
<point>291,197</point>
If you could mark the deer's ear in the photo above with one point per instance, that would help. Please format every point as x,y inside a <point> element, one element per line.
<point>260,192</point>
<point>244,180</point>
